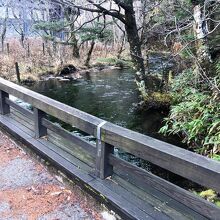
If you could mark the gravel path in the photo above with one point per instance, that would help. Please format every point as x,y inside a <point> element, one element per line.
<point>28,191</point>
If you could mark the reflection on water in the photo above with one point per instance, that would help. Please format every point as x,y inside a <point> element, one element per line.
<point>110,95</point>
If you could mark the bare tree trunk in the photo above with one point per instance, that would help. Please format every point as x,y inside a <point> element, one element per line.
<point>135,50</point>
<point>89,53</point>
<point>121,47</point>
<point>135,45</point>
<point>73,41</point>
<point>72,35</point>
<point>22,38</point>
<point>75,47</point>
<point>4,29</point>
<point>202,47</point>
<point>3,34</point>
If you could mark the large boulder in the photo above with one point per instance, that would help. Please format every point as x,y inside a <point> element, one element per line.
<point>66,70</point>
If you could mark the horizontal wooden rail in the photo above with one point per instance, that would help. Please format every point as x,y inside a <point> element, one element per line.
<point>192,166</point>
<point>71,137</point>
<point>55,128</point>
<point>145,179</point>
<point>83,121</point>
<point>26,112</point>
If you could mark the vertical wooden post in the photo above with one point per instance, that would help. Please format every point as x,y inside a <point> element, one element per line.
<point>8,49</point>
<point>28,50</point>
<point>43,48</point>
<point>40,130</point>
<point>17,72</point>
<point>103,168</point>
<point>4,107</point>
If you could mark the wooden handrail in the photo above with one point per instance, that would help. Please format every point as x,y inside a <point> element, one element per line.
<point>83,121</point>
<point>197,168</point>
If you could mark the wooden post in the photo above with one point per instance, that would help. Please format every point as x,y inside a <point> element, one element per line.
<point>4,107</point>
<point>103,168</point>
<point>28,50</point>
<point>40,130</point>
<point>43,48</point>
<point>8,49</point>
<point>17,72</point>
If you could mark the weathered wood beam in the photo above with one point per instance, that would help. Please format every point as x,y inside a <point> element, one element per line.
<point>144,179</point>
<point>195,167</point>
<point>4,107</point>
<point>40,130</point>
<point>70,115</point>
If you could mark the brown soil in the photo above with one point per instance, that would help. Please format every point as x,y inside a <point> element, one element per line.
<point>36,199</point>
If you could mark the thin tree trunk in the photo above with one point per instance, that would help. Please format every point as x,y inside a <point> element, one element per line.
<point>72,35</point>
<point>75,47</point>
<point>121,47</point>
<point>202,47</point>
<point>4,29</point>
<point>73,40</point>
<point>89,53</point>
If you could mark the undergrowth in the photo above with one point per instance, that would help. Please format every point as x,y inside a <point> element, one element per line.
<point>195,113</point>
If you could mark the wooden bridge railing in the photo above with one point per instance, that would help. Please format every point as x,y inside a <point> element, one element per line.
<point>194,167</point>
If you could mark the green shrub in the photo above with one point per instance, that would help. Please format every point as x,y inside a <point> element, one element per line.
<point>195,114</point>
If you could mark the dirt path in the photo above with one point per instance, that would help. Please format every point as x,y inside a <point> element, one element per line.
<point>28,191</point>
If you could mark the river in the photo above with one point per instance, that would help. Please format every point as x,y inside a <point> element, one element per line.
<point>111,95</point>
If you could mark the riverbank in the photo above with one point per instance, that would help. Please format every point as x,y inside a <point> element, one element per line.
<point>38,60</point>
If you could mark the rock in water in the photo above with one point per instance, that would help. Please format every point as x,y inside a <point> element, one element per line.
<point>66,70</point>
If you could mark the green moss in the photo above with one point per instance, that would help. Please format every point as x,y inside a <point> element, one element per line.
<point>208,194</point>
<point>218,203</point>
<point>114,61</point>
<point>157,97</point>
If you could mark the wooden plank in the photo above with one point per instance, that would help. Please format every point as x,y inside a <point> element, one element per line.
<point>197,168</point>
<point>21,116</point>
<point>70,115</point>
<point>70,136</point>
<point>22,120</point>
<point>56,138</point>
<point>71,148</point>
<point>120,202</point>
<point>39,129</point>
<point>155,207</point>
<point>24,111</point>
<point>67,156</point>
<point>145,179</point>
<point>4,107</point>
<point>158,200</point>
<point>24,128</point>
<point>103,168</point>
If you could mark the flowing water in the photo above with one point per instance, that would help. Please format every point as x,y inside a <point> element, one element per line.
<point>111,95</point>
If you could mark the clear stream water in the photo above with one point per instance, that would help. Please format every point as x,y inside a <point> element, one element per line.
<point>111,95</point>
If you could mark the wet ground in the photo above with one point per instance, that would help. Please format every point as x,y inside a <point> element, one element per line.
<point>28,191</point>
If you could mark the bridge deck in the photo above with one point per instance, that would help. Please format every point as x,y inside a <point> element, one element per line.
<point>127,199</point>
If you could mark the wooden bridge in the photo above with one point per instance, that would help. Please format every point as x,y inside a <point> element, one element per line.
<point>131,191</point>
